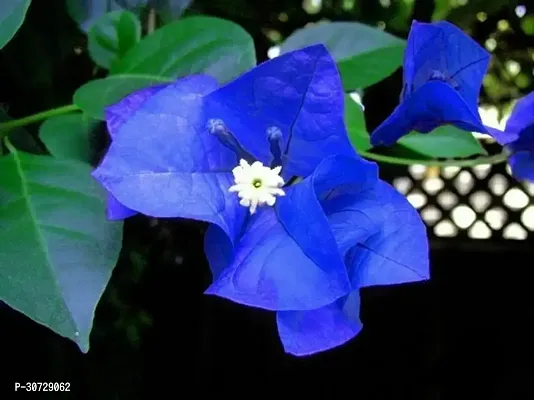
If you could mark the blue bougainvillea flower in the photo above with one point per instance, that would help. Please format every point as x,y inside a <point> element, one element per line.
<point>229,156</point>
<point>518,138</point>
<point>442,73</point>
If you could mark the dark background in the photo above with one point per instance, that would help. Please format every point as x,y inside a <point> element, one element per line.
<point>466,332</point>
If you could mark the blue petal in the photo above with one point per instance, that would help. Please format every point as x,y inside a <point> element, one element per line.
<point>440,50</point>
<point>502,137</point>
<point>524,141</point>
<point>270,270</point>
<point>301,94</point>
<point>116,115</point>
<point>522,165</point>
<point>117,211</point>
<point>381,235</point>
<point>164,163</point>
<point>434,104</point>
<point>522,115</point>
<point>308,332</point>
<point>218,249</point>
<point>287,258</point>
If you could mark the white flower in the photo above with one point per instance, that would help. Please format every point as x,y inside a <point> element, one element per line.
<point>256,184</point>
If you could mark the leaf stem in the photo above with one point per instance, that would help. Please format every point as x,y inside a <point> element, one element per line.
<point>6,127</point>
<point>495,159</point>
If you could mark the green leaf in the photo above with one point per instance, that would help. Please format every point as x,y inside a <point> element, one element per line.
<point>68,136</point>
<point>443,142</point>
<point>365,55</point>
<point>58,249</point>
<point>20,137</point>
<point>12,14</point>
<point>112,36</point>
<point>87,12</point>
<point>95,95</point>
<point>355,123</point>
<point>192,45</point>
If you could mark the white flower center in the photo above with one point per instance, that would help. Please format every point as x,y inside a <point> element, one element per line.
<point>257,185</point>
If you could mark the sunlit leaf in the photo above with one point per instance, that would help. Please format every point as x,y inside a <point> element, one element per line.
<point>355,123</point>
<point>445,141</point>
<point>365,55</point>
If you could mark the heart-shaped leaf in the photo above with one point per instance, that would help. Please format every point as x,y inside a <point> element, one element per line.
<point>58,250</point>
<point>364,54</point>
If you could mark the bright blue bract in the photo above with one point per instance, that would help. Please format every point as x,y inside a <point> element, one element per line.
<point>518,138</point>
<point>442,72</point>
<point>338,229</point>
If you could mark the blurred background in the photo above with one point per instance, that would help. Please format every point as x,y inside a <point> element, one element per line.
<point>467,331</point>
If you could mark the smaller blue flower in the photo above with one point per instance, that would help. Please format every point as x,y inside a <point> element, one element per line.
<point>230,156</point>
<point>442,76</point>
<point>518,138</point>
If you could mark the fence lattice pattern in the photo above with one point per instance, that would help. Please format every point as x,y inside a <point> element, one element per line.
<point>480,202</point>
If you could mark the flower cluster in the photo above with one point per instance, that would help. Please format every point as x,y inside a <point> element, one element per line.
<point>442,73</point>
<point>442,76</point>
<point>298,222</point>
<point>518,138</point>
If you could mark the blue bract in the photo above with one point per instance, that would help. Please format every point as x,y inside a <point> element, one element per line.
<point>442,72</point>
<point>229,156</point>
<point>518,138</point>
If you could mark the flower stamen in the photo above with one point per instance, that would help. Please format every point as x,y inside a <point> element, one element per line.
<point>256,185</point>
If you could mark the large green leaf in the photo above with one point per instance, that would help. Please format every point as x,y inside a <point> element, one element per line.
<point>95,95</point>
<point>68,136</point>
<point>199,44</point>
<point>58,250</point>
<point>112,36</point>
<point>12,14</point>
<point>355,123</point>
<point>365,55</point>
<point>444,142</point>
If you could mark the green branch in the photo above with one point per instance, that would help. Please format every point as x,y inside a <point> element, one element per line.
<point>6,127</point>
<point>496,159</point>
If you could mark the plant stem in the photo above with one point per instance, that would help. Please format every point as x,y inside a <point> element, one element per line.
<point>6,127</point>
<point>151,21</point>
<point>496,159</point>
